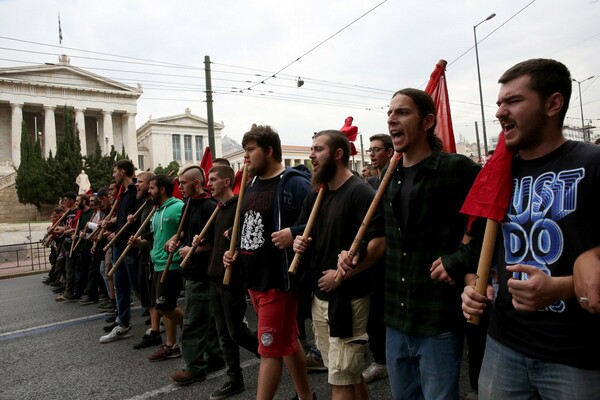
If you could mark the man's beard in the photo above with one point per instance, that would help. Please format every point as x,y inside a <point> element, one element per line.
<point>156,201</point>
<point>326,172</point>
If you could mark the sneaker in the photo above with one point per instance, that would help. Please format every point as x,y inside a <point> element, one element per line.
<point>60,297</point>
<point>55,284</point>
<point>107,306</point>
<point>228,389</point>
<point>375,372</point>
<point>109,328</point>
<point>314,363</point>
<point>149,340</point>
<point>164,353</point>
<point>59,289</point>
<point>87,302</point>
<point>184,377</point>
<point>161,330</point>
<point>117,333</point>
<point>71,297</point>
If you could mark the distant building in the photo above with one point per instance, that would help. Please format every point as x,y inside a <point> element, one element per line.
<point>104,109</point>
<point>180,138</point>
<point>293,156</point>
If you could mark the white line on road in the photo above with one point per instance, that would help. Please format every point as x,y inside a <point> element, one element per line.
<point>172,388</point>
<point>45,327</point>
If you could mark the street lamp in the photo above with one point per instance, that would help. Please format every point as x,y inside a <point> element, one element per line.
<point>585,137</point>
<point>479,79</point>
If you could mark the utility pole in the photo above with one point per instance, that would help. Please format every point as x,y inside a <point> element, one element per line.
<point>209,107</point>
<point>478,144</point>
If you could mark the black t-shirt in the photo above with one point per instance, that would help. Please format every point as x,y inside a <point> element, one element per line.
<point>258,257</point>
<point>553,217</point>
<point>200,211</point>
<point>338,220</point>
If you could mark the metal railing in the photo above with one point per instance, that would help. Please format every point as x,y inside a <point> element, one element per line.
<point>23,258</point>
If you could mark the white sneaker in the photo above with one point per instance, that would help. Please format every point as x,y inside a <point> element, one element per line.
<point>161,329</point>
<point>375,372</point>
<point>117,333</point>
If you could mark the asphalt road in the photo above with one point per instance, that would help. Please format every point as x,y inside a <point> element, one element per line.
<point>51,350</point>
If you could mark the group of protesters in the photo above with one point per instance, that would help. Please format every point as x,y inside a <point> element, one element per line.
<point>388,263</point>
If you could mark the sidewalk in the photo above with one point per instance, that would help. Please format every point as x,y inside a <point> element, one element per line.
<point>19,233</point>
<point>20,249</point>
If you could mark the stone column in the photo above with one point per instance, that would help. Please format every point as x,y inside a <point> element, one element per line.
<point>107,128</point>
<point>15,142</point>
<point>49,131</point>
<point>80,121</point>
<point>130,137</point>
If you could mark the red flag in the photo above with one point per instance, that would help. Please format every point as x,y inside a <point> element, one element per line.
<point>438,90</point>
<point>73,223</point>
<point>237,182</point>
<point>206,163</point>
<point>120,192</point>
<point>176,190</point>
<point>490,193</point>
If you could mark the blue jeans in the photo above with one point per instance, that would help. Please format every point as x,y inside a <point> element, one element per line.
<point>424,367</point>
<point>126,281</point>
<point>507,374</point>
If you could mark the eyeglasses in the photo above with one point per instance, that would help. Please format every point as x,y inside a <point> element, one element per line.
<point>375,149</point>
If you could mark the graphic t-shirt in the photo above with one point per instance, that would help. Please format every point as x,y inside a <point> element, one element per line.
<point>258,257</point>
<point>552,218</point>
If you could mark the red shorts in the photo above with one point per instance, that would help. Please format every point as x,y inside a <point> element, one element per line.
<point>277,326</point>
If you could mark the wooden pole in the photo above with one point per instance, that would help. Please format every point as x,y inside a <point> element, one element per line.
<point>236,223</point>
<point>371,212</point>
<point>163,277</point>
<point>308,227</point>
<point>47,239</point>
<point>124,228</point>
<point>138,233</point>
<point>485,261</point>
<point>201,236</point>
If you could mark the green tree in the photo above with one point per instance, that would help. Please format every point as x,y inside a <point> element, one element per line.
<point>30,181</point>
<point>99,167</point>
<point>172,167</point>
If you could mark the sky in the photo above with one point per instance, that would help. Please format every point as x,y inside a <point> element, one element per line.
<point>352,55</point>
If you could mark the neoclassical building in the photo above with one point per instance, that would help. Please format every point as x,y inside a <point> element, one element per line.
<point>104,109</point>
<point>180,138</point>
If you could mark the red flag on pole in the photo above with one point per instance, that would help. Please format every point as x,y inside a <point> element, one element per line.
<point>438,90</point>
<point>206,163</point>
<point>490,193</point>
<point>489,198</point>
<point>176,190</point>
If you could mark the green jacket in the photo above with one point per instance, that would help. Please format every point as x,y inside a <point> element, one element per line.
<point>163,226</point>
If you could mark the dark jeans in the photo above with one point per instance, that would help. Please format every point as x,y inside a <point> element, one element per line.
<point>476,335</point>
<point>125,279</point>
<point>94,277</point>
<point>84,259</point>
<point>199,339</point>
<point>229,308</point>
<point>376,327</point>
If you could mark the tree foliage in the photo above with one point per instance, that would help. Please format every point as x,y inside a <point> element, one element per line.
<point>99,167</point>
<point>42,181</point>
<point>30,181</point>
<point>172,167</point>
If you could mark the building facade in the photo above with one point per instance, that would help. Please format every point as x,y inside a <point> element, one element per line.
<point>104,110</point>
<point>182,138</point>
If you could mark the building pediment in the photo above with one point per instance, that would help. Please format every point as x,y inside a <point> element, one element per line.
<point>65,76</point>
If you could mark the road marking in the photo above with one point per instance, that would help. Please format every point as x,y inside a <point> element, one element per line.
<point>49,327</point>
<point>172,387</point>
